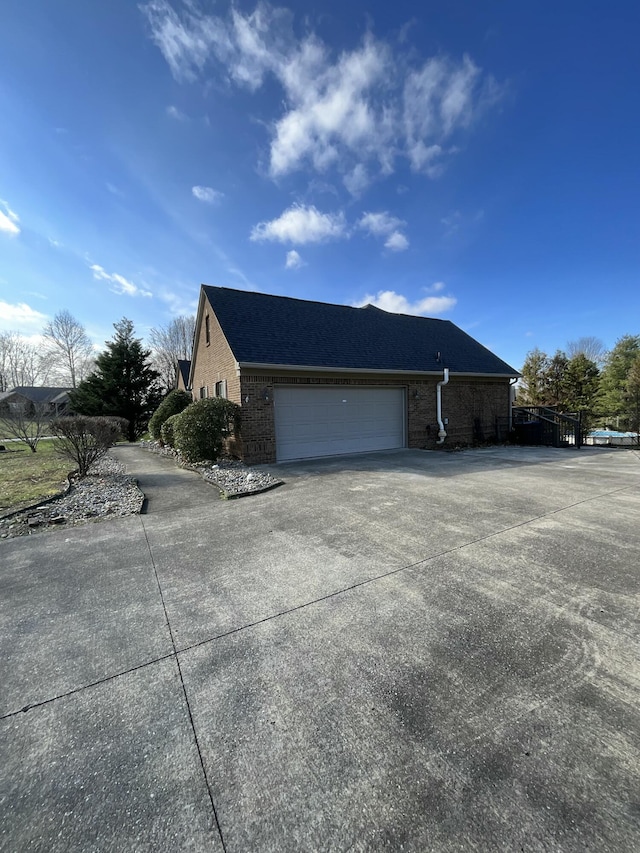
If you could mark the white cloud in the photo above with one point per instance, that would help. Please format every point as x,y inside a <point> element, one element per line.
<point>300,224</point>
<point>19,315</point>
<point>357,180</point>
<point>439,98</point>
<point>9,220</point>
<point>397,242</point>
<point>174,112</point>
<point>384,225</point>
<point>182,45</point>
<point>119,283</point>
<point>379,224</point>
<point>207,194</point>
<point>396,303</point>
<point>451,222</point>
<point>356,112</point>
<point>294,261</point>
<point>335,111</point>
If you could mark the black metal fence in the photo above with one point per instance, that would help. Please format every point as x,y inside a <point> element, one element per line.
<point>543,425</point>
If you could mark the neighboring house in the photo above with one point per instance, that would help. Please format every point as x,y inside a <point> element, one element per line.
<point>182,374</point>
<point>31,400</point>
<point>318,380</point>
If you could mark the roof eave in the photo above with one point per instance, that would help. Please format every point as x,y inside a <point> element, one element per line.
<point>309,368</point>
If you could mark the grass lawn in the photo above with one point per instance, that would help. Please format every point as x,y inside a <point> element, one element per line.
<point>27,476</point>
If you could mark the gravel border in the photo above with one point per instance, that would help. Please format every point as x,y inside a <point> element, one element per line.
<point>233,478</point>
<point>108,492</point>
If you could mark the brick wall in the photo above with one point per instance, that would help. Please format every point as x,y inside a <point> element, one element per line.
<point>215,361</point>
<point>471,405</point>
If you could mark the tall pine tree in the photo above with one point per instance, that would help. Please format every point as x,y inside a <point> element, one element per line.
<point>614,376</point>
<point>581,387</point>
<point>532,391</point>
<point>632,397</point>
<point>123,383</point>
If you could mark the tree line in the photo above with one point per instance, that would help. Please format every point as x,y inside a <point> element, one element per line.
<point>603,386</point>
<point>125,381</point>
<point>65,356</point>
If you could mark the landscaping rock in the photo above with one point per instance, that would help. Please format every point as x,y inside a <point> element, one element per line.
<point>105,493</point>
<point>233,478</point>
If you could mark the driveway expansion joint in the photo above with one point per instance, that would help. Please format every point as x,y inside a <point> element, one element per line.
<point>185,694</point>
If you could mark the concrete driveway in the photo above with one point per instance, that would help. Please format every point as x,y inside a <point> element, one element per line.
<point>401,651</point>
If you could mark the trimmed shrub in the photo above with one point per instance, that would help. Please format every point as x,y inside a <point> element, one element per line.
<point>167,432</point>
<point>174,403</point>
<point>86,440</point>
<point>200,430</point>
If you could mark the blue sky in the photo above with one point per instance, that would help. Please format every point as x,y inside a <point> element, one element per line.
<point>473,161</point>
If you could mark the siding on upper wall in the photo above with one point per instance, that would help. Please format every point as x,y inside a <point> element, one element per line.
<point>474,408</point>
<point>214,361</point>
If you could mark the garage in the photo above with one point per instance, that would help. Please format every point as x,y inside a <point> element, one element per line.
<point>330,420</point>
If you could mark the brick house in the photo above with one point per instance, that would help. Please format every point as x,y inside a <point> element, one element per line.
<point>315,379</point>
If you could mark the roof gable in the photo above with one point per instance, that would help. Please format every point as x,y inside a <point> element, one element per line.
<point>264,329</point>
<point>184,366</point>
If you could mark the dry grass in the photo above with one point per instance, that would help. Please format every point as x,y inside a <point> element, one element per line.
<point>25,476</point>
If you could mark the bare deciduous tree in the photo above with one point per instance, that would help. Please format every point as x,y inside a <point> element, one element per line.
<point>27,422</point>
<point>69,347</point>
<point>590,347</point>
<point>170,343</point>
<point>21,363</point>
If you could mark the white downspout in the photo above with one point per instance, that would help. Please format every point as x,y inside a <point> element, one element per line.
<point>442,433</point>
<point>512,399</point>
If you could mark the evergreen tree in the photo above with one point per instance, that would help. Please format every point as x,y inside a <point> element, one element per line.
<point>581,383</point>
<point>555,380</point>
<point>614,376</point>
<point>581,388</point>
<point>532,389</point>
<point>632,396</point>
<point>123,383</point>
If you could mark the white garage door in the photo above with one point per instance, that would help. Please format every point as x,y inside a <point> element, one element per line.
<point>326,421</point>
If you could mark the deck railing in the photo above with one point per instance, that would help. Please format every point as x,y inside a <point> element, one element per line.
<point>546,425</point>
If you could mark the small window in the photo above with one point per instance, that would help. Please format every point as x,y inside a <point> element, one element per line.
<point>203,392</point>
<point>207,332</point>
<point>221,388</point>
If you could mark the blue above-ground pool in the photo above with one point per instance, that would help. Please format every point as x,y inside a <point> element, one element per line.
<point>612,437</point>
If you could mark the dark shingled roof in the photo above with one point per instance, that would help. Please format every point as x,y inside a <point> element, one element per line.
<point>35,393</point>
<point>263,329</point>
<point>184,366</point>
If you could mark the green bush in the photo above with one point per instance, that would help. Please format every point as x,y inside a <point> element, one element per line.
<point>167,432</point>
<point>174,403</point>
<point>200,430</point>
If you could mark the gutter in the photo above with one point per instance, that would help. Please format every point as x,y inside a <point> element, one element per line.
<point>294,368</point>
